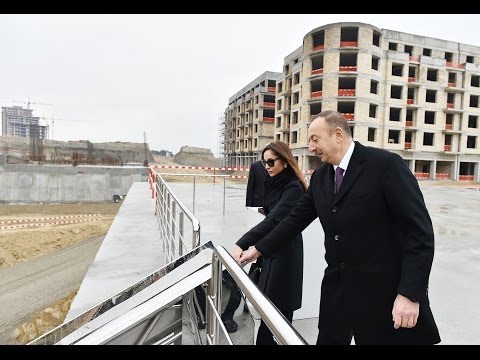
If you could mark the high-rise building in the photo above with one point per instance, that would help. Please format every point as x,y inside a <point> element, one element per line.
<point>19,122</point>
<point>414,95</point>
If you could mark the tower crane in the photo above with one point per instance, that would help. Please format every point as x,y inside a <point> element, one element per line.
<point>29,102</point>
<point>53,119</point>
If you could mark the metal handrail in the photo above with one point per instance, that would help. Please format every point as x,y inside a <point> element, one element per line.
<point>167,205</point>
<point>282,330</point>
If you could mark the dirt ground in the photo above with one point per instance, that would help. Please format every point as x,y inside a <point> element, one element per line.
<point>40,236</point>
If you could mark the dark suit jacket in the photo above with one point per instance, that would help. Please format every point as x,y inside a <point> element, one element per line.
<point>256,180</point>
<point>281,277</point>
<point>378,242</point>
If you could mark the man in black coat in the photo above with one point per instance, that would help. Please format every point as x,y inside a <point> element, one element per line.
<point>255,185</point>
<point>379,241</point>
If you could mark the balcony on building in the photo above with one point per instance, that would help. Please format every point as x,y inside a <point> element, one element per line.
<point>414,58</point>
<point>454,65</point>
<point>450,129</point>
<point>269,104</point>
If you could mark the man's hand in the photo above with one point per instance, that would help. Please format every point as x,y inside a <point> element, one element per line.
<point>249,255</point>
<point>236,253</point>
<point>405,312</point>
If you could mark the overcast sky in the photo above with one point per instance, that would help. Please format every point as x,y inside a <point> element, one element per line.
<point>114,77</point>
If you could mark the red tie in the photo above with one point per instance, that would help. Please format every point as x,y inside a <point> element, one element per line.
<point>338,178</point>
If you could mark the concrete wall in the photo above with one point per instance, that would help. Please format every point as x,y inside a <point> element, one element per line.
<point>65,184</point>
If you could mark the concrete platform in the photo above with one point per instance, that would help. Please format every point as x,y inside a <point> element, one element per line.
<point>132,250</point>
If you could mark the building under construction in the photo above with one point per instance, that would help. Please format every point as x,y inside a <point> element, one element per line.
<point>19,122</point>
<point>413,95</point>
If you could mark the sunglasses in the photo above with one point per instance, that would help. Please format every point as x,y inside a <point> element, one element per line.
<point>269,162</point>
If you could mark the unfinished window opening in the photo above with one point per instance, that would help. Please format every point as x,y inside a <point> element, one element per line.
<point>410,115</point>
<point>452,79</point>
<point>429,117</point>
<point>318,39</point>
<point>470,59</point>
<point>393,136</point>
<point>295,117</point>
<point>372,132</point>
<point>316,88</point>
<point>397,69</point>
<point>352,130</point>
<point>396,92</point>
<point>474,101</point>
<point>294,137</point>
<point>427,52</point>
<point>412,71</point>
<point>346,86</point>
<point>376,39</point>
<point>346,107</point>
<point>296,98</point>
<point>410,95</point>
<point>280,87</point>
<point>431,96</point>
<point>408,137</point>
<point>279,104</point>
<point>395,114</point>
<point>278,122</point>
<point>472,121</point>
<point>432,74</point>
<point>450,99</point>
<point>409,49</point>
<point>373,87</point>
<point>348,61</point>
<point>375,62</point>
<point>448,139</point>
<point>317,65</point>
<point>471,142</point>
<point>315,109</point>
<point>255,127</point>
<point>349,36</point>
<point>448,56</point>
<point>296,78</point>
<point>428,139</point>
<point>475,81</point>
<point>392,46</point>
<point>372,112</point>
<point>449,119</point>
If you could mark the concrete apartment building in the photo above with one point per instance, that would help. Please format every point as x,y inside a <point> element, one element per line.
<point>249,120</point>
<point>416,96</point>
<point>20,122</point>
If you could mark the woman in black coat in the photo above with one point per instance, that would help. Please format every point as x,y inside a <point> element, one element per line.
<point>282,274</point>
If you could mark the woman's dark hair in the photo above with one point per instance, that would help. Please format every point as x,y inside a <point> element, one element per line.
<point>281,149</point>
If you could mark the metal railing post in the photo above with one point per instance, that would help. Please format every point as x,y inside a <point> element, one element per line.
<point>193,195</point>
<point>180,230</point>
<point>215,295</point>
